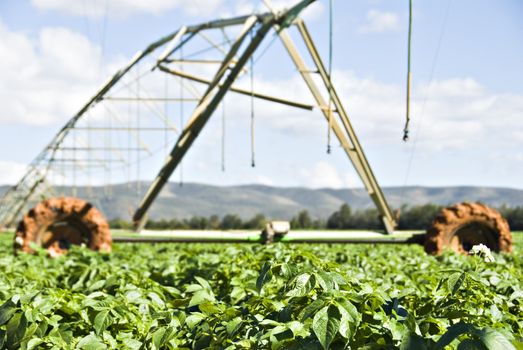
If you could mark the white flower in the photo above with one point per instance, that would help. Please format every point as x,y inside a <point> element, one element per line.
<point>482,251</point>
<point>19,241</point>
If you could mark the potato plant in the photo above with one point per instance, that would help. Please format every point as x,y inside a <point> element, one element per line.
<point>197,296</point>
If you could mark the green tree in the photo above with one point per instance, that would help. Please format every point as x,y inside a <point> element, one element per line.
<point>198,223</point>
<point>302,220</point>
<point>214,222</point>
<point>256,222</point>
<point>514,217</point>
<point>120,224</point>
<point>417,217</point>
<point>340,219</point>
<point>231,222</point>
<point>367,219</point>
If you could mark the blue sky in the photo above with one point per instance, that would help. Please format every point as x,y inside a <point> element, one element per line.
<point>467,106</point>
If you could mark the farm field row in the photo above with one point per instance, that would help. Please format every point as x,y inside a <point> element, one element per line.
<point>294,296</point>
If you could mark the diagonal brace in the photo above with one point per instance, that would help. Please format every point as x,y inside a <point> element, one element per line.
<point>346,136</point>
<point>208,103</point>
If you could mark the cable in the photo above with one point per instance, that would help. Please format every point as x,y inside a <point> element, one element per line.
<point>409,78</point>
<point>266,48</point>
<point>425,98</point>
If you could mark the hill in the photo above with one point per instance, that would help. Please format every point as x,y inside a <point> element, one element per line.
<point>119,201</point>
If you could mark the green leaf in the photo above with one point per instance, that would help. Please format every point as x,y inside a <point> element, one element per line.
<point>453,332</point>
<point>97,285</point>
<point>413,342</point>
<point>6,311</point>
<point>233,326</point>
<point>455,281</point>
<point>203,283</point>
<point>326,325</point>
<point>15,330</point>
<point>208,308</point>
<point>311,309</point>
<point>156,299</point>
<point>102,320</point>
<point>350,318</point>
<point>471,344</point>
<point>298,329</point>
<point>158,336</point>
<point>132,344</point>
<point>350,308</point>
<point>193,319</point>
<point>91,342</point>
<point>132,296</point>
<point>325,280</point>
<point>304,283</point>
<point>264,276</point>
<point>33,343</point>
<point>200,297</point>
<point>494,340</point>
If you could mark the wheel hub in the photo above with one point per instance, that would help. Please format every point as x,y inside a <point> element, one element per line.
<point>60,236</point>
<point>471,234</point>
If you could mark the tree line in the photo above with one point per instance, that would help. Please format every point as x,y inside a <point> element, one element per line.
<point>412,218</point>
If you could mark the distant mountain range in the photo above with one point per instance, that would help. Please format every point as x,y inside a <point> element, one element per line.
<point>119,201</point>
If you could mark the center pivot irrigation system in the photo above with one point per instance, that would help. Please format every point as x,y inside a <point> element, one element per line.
<point>128,121</point>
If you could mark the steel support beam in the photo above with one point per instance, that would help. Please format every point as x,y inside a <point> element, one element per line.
<point>374,190</point>
<point>238,90</point>
<point>347,137</point>
<point>210,100</point>
<point>51,149</point>
<point>218,236</point>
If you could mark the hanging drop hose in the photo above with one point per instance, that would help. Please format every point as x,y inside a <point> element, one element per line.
<point>251,71</point>
<point>223,135</point>
<point>181,108</point>
<point>409,77</point>
<point>330,81</point>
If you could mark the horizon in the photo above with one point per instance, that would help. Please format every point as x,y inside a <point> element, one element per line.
<point>275,186</point>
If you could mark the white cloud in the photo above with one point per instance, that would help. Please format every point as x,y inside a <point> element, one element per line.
<point>125,8</point>
<point>97,9</point>
<point>324,174</point>
<point>459,113</point>
<point>11,172</point>
<point>243,7</point>
<point>378,22</point>
<point>47,78</point>
<point>263,180</point>
<point>311,13</point>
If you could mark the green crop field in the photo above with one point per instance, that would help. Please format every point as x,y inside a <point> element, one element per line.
<point>197,296</point>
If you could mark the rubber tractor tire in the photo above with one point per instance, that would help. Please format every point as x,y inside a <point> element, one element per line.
<point>57,223</point>
<point>461,226</point>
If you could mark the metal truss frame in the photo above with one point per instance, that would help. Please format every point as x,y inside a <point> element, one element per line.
<point>253,31</point>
